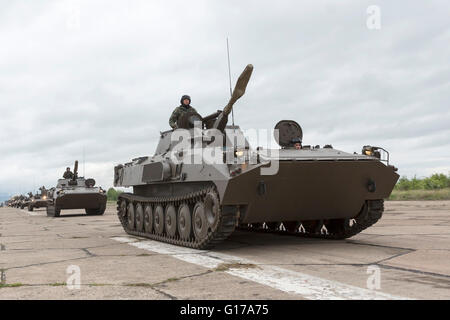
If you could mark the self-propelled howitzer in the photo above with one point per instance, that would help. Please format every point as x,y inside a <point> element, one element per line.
<point>197,199</point>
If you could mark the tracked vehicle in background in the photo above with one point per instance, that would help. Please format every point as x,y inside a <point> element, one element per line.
<point>76,193</point>
<point>38,200</point>
<point>307,191</point>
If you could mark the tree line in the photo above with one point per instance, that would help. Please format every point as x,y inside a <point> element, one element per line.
<point>113,194</point>
<point>435,182</point>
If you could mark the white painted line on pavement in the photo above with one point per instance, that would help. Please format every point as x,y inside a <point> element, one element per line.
<point>309,287</point>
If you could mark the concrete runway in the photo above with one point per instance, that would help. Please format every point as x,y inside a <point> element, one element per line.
<point>406,255</point>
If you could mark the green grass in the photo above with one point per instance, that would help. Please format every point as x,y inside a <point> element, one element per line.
<point>144,285</point>
<point>10,285</point>
<point>57,284</point>
<point>440,194</point>
<point>228,266</point>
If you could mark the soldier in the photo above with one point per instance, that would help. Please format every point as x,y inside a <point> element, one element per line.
<point>68,174</point>
<point>179,111</point>
<point>297,143</point>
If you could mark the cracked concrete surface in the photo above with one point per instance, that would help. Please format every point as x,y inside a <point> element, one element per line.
<point>410,245</point>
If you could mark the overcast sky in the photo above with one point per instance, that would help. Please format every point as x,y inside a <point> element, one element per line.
<point>104,76</point>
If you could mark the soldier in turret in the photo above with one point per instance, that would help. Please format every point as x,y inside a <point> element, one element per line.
<point>182,109</point>
<point>68,174</point>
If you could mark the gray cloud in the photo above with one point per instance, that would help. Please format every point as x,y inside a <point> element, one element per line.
<point>108,84</point>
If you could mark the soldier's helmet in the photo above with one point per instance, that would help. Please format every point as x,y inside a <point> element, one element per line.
<point>185,97</point>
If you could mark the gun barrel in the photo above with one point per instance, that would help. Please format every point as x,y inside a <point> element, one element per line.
<point>238,92</point>
<point>239,89</point>
<point>75,169</point>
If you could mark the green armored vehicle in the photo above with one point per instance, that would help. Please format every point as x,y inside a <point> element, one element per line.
<point>76,192</point>
<point>18,201</point>
<point>205,180</point>
<point>38,200</point>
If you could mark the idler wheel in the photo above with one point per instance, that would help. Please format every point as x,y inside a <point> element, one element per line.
<point>171,220</point>
<point>212,209</point>
<point>200,222</point>
<point>148,218</point>
<point>312,226</point>
<point>159,219</point>
<point>184,221</point>
<point>130,216</point>
<point>139,217</point>
<point>291,226</point>
<point>273,225</point>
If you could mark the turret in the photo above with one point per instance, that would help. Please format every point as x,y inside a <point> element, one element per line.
<point>218,120</point>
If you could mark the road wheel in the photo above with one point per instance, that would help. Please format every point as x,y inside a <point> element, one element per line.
<point>130,216</point>
<point>139,213</point>
<point>312,226</point>
<point>291,226</point>
<point>200,222</point>
<point>123,208</point>
<point>171,220</point>
<point>159,219</point>
<point>184,221</point>
<point>338,227</point>
<point>273,226</point>
<point>212,209</point>
<point>148,219</point>
<point>256,225</point>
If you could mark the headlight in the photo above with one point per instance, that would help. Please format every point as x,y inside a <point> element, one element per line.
<point>372,151</point>
<point>239,153</point>
<point>44,197</point>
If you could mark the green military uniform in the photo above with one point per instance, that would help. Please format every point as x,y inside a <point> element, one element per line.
<point>179,111</point>
<point>68,175</point>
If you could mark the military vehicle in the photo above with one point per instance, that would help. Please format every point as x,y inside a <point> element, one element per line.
<point>76,193</point>
<point>38,200</point>
<point>17,201</point>
<point>25,200</point>
<point>11,201</point>
<point>301,190</point>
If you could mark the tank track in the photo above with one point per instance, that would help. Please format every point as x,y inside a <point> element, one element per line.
<point>227,218</point>
<point>336,229</point>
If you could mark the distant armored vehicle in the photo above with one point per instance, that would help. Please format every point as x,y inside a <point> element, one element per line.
<point>20,201</point>
<point>39,200</point>
<point>25,200</point>
<point>76,193</point>
<point>295,189</point>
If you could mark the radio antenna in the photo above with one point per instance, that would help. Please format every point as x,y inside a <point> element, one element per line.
<point>84,163</point>
<point>229,77</point>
